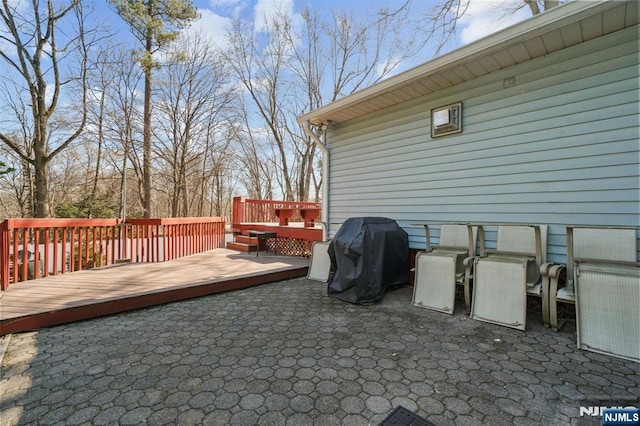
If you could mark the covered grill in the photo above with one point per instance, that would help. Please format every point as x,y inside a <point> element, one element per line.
<point>368,255</point>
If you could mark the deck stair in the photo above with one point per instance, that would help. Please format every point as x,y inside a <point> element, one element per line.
<point>241,243</point>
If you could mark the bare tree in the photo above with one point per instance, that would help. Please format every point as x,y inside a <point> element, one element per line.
<point>290,66</point>
<point>100,81</point>
<point>155,23</point>
<point>50,52</point>
<point>538,6</point>
<point>218,178</point>
<point>260,62</point>
<point>123,127</point>
<point>193,94</point>
<point>255,161</point>
<point>15,189</point>
<point>4,169</point>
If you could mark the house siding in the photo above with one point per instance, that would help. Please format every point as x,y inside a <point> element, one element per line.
<point>560,148</point>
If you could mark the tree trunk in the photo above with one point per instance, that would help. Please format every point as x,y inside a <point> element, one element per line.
<point>146,132</point>
<point>96,175</point>
<point>41,208</point>
<point>533,5</point>
<point>548,4</point>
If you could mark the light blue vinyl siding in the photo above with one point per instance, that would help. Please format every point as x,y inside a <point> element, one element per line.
<point>560,148</point>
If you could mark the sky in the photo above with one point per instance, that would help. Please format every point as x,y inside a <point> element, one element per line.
<point>482,17</point>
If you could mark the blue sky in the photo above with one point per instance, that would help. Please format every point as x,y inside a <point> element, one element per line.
<point>482,18</point>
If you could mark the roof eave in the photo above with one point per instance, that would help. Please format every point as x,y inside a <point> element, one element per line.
<point>553,19</point>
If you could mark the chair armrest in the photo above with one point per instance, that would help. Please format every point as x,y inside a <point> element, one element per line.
<point>555,270</point>
<point>550,277</point>
<point>551,271</point>
<point>544,269</point>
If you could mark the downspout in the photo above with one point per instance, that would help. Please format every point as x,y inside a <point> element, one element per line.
<point>324,219</point>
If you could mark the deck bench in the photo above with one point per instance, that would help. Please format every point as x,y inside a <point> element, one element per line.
<point>283,215</point>
<point>309,215</point>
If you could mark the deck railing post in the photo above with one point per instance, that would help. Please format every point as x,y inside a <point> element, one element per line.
<point>238,212</point>
<point>4,255</point>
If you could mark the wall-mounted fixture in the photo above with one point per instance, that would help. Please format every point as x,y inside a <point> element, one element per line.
<point>508,82</point>
<point>446,120</point>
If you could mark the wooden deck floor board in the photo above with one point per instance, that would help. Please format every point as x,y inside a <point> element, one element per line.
<point>102,291</point>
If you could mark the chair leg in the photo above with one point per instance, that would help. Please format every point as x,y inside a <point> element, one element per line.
<point>468,277</point>
<point>467,294</point>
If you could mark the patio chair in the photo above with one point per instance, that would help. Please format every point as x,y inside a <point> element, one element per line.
<point>504,277</point>
<point>320,263</point>
<point>439,269</point>
<point>603,281</point>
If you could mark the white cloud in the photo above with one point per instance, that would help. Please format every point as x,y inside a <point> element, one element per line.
<point>264,10</point>
<point>214,4</point>
<point>484,17</point>
<point>212,26</point>
<point>388,67</point>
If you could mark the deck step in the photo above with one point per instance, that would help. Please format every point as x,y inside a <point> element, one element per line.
<point>243,239</point>
<point>246,247</point>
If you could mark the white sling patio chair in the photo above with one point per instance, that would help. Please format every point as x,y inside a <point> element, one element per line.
<point>603,280</point>
<point>440,268</point>
<point>504,277</point>
<point>320,263</point>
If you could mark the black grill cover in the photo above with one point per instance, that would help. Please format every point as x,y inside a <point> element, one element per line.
<point>368,255</point>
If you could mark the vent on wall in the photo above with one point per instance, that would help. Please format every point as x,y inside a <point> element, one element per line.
<point>446,120</point>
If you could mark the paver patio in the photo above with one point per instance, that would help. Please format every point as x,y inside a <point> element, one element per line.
<point>286,354</point>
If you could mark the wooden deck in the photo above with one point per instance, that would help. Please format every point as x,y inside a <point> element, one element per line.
<point>118,288</point>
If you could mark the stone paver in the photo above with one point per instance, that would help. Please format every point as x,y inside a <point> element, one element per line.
<point>286,354</point>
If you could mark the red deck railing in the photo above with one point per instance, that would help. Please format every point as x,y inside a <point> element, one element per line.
<point>247,210</point>
<point>34,248</point>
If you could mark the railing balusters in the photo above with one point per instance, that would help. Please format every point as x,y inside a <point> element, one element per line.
<point>16,239</point>
<point>36,253</point>
<point>256,211</point>
<point>56,247</point>
<point>25,254</point>
<point>46,252</point>
<point>64,251</point>
<point>79,244</point>
<point>157,243</point>
<point>88,251</point>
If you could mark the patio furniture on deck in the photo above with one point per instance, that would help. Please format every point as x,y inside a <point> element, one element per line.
<point>440,268</point>
<point>603,281</point>
<point>504,277</point>
<point>262,236</point>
